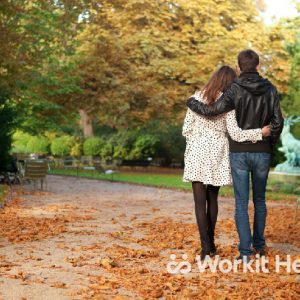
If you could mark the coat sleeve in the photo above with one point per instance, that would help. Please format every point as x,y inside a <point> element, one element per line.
<point>188,125</point>
<point>224,104</point>
<point>238,134</point>
<point>277,120</point>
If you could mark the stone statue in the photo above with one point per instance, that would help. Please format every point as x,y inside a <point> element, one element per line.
<point>290,148</point>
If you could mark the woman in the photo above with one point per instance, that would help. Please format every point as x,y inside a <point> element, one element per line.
<point>207,154</point>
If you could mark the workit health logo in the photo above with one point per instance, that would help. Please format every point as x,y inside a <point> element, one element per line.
<point>257,265</point>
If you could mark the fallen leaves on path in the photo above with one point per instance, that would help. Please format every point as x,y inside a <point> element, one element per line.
<point>27,228</point>
<point>18,227</point>
<point>60,285</point>
<point>132,259</point>
<point>168,234</point>
<point>281,226</point>
<point>143,271</point>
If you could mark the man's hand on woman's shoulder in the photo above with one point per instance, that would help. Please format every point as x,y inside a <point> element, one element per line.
<point>266,131</point>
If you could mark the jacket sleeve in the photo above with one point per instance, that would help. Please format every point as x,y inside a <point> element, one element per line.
<point>238,134</point>
<point>188,125</point>
<point>277,120</point>
<point>224,104</point>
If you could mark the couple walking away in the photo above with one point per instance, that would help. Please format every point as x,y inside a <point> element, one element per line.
<point>231,128</point>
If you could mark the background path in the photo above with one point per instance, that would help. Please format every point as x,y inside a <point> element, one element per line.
<point>84,238</point>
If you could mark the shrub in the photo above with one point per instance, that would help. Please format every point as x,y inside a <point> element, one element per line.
<point>92,146</point>
<point>172,144</point>
<point>277,156</point>
<point>123,142</point>
<point>38,144</point>
<point>107,151</point>
<point>20,142</point>
<point>144,146</point>
<point>121,152</point>
<point>50,135</point>
<point>62,146</point>
<point>76,150</point>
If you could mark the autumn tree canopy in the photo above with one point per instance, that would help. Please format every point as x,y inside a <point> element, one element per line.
<point>140,59</point>
<point>123,63</point>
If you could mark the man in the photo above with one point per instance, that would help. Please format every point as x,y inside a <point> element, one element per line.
<point>256,103</point>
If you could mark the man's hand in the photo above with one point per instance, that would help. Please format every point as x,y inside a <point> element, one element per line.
<point>266,131</point>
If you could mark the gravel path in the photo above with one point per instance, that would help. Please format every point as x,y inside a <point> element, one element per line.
<point>61,265</point>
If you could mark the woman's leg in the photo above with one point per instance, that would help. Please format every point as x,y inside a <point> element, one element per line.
<point>212,212</point>
<point>199,191</point>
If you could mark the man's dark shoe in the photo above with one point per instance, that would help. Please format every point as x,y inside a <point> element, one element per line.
<point>261,252</point>
<point>241,257</point>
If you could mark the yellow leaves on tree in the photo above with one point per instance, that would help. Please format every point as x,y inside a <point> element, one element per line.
<point>140,60</point>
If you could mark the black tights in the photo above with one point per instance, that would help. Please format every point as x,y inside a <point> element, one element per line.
<point>206,215</point>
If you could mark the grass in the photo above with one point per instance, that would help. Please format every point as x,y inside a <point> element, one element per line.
<point>173,181</point>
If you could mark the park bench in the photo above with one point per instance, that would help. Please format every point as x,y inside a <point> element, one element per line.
<point>21,157</point>
<point>86,160</point>
<point>102,168</point>
<point>71,164</point>
<point>35,170</point>
<point>176,164</point>
<point>135,163</point>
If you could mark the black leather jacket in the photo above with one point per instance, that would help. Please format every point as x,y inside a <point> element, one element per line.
<point>257,104</point>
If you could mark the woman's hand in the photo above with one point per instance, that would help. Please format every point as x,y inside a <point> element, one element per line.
<point>266,131</point>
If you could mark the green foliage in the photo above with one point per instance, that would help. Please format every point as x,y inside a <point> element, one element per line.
<point>42,116</point>
<point>122,142</point>
<point>93,146</point>
<point>36,46</point>
<point>291,101</point>
<point>62,146</point>
<point>20,142</point>
<point>76,150</point>
<point>34,36</point>
<point>171,144</point>
<point>106,151</point>
<point>7,125</point>
<point>121,152</point>
<point>145,146</point>
<point>38,145</point>
<point>277,156</point>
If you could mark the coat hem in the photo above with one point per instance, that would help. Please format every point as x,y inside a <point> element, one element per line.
<point>209,182</point>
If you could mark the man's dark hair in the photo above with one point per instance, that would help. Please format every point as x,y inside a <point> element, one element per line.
<point>248,60</point>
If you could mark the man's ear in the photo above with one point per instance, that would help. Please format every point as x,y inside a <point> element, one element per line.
<point>257,68</point>
<point>238,70</point>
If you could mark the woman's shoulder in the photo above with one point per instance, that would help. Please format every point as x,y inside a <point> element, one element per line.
<point>198,95</point>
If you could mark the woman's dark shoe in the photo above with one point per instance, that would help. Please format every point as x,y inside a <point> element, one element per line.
<point>212,245</point>
<point>204,254</point>
<point>213,250</point>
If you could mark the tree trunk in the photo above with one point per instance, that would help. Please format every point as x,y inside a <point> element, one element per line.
<point>85,124</point>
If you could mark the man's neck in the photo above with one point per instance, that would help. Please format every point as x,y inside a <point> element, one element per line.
<point>249,73</point>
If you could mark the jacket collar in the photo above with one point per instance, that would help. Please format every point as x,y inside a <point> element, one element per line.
<point>249,74</point>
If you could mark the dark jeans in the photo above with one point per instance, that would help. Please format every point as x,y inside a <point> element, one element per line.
<point>242,165</point>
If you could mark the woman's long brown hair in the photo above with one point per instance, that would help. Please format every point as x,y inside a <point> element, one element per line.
<point>219,82</point>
